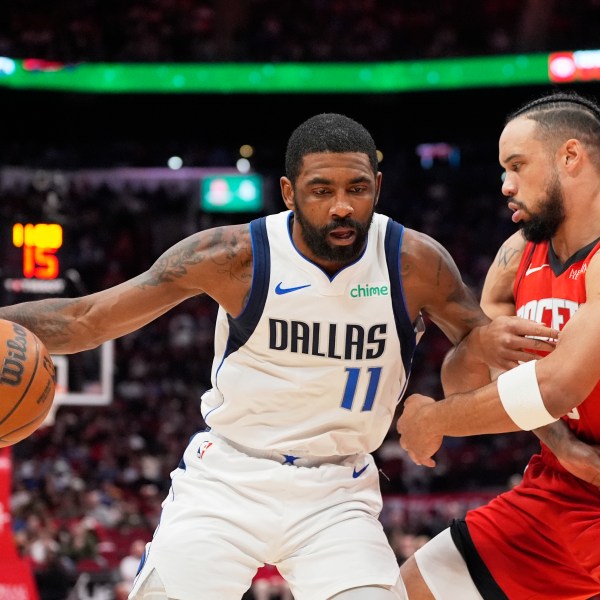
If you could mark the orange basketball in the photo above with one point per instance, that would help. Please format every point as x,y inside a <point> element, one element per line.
<point>27,382</point>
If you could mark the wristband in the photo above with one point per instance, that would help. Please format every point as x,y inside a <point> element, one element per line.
<point>521,398</point>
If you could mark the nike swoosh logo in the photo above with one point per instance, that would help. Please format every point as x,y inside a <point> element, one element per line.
<point>281,290</point>
<point>534,269</point>
<point>356,473</point>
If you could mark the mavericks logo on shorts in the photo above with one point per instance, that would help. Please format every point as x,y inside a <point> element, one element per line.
<point>203,448</point>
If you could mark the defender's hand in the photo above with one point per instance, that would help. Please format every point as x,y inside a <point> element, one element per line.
<point>507,341</point>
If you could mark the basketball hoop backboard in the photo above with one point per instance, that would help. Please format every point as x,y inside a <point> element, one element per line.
<point>85,378</point>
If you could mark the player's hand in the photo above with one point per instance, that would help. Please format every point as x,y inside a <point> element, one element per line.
<point>416,437</point>
<point>507,341</point>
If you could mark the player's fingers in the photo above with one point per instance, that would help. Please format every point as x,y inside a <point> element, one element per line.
<point>535,329</point>
<point>541,331</point>
<point>533,333</point>
<point>514,359</point>
<point>521,356</point>
<point>424,461</point>
<point>414,458</point>
<point>539,345</point>
<point>550,333</point>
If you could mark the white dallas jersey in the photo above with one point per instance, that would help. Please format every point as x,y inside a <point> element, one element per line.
<point>314,365</point>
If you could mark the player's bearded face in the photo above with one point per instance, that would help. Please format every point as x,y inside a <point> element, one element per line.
<point>317,238</point>
<point>543,224</point>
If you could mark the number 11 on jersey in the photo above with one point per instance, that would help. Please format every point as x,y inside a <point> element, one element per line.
<point>374,374</point>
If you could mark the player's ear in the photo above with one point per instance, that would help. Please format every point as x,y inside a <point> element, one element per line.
<point>287,192</point>
<point>571,153</point>
<point>378,187</point>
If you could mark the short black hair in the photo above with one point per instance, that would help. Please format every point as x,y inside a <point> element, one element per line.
<point>327,132</point>
<point>561,115</point>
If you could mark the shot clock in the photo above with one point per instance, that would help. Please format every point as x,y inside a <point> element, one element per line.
<point>40,243</point>
<point>33,265</point>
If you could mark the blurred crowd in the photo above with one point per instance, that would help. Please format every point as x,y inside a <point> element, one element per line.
<point>305,30</point>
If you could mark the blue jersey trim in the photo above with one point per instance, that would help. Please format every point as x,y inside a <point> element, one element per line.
<point>406,331</point>
<point>242,327</point>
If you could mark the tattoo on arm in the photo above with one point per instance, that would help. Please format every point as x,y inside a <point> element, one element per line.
<point>228,249</point>
<point>235,256</point>
<point>471,313</point>
<point>173,264</point>
<point>505,255</point>
<point>42,317</point>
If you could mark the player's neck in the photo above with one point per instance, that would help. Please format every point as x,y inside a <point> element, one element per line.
<point>575,233</point>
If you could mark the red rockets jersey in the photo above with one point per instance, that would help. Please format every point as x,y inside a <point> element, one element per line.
<point>549,292</point>
<point>539,539</point>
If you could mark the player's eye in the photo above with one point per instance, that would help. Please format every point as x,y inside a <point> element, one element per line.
<point>320,191</point>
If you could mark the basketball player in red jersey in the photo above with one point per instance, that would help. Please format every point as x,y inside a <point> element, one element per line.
<point>541,539</point>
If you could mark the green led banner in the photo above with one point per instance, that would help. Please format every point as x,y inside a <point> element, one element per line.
<point>230,78</point>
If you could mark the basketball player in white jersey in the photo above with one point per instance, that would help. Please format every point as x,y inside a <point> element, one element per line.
<point>320,312</point>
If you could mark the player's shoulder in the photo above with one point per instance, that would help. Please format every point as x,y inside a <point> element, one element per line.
<point>213,249</point>
<point>516,240</point>
<point>497,295</point>
<point>225,236</point>
<point>421,246</point>
<point>415,236</point>
<point>425,264</point>
<point>510,252</point>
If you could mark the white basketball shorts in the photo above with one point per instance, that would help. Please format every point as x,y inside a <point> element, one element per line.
<point>229,512</point>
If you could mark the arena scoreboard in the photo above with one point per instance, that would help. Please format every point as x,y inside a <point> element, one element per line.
<point>32,260</point>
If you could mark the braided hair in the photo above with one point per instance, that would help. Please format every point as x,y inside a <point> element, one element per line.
<point>562,115</point>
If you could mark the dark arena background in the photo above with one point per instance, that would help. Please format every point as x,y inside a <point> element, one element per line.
<point>103,180</point>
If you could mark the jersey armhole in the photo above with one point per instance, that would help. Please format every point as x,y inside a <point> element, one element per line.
<point>523,265</point>
<point>242,327</point>
<point>406,330</point>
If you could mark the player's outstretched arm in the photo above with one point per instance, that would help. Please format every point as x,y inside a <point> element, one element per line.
<point>216,261</point>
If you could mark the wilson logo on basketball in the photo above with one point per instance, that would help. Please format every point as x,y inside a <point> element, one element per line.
<point>13,365</point>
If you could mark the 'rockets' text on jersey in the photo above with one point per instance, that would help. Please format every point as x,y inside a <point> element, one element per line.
<point>549,292</point>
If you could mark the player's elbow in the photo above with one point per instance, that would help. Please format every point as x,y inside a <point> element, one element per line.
<point>562,390</point>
